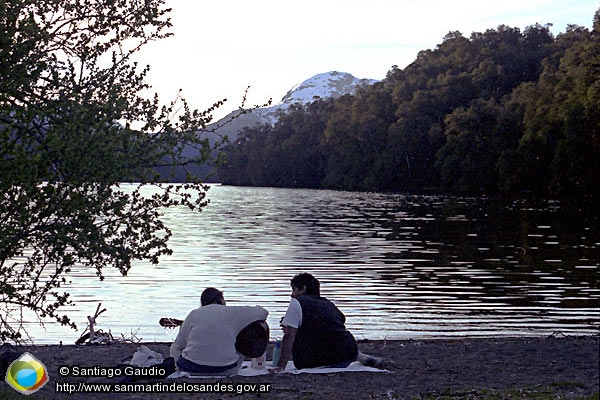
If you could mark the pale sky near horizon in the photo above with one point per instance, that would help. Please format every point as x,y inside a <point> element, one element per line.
<point>221,47</point>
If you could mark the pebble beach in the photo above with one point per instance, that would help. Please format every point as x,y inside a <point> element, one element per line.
<point>565,367</point>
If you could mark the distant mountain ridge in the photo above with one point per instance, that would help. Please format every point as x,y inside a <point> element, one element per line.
<point>329,84</point>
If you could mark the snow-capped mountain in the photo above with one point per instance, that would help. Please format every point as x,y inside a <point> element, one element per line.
<point>329,84</point>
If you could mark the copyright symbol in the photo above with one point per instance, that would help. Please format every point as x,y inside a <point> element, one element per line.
<point>64,371</point>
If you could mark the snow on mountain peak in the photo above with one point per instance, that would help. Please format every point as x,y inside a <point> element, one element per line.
<point>328,84</point>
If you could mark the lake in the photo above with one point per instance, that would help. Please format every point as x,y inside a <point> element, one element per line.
<point>398,266</point>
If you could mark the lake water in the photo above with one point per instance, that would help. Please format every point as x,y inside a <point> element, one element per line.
<point>398,266</point>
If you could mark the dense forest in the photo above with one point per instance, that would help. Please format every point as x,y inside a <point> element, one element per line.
<point>502,112</point>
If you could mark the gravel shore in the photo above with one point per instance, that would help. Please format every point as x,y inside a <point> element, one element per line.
<point>475,368</point>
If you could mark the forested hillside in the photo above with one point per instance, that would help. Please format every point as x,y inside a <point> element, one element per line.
<point>500,112</point>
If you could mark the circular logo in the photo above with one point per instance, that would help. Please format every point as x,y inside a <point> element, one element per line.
<point>26,374</point>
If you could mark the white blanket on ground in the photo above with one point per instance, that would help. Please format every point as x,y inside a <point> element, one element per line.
<point>144,357</point>
<point>245,370</point>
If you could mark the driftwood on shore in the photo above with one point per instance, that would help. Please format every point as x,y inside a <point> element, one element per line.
<point>91,335</point>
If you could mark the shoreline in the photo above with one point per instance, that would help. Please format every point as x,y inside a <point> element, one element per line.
<point>496,367</point>
<point>594,331</point>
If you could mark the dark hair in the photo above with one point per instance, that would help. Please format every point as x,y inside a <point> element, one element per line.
<point>304,279</point>
<point>211,296</point>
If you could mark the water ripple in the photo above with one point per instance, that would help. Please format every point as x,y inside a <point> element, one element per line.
<point>397,266</point>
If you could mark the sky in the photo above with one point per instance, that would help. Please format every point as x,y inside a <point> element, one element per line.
<point>220,47</point>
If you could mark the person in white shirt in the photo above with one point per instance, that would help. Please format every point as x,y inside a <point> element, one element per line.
<point>205,343</point>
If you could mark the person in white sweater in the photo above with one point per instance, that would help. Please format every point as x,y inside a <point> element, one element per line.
<point>205,343</point>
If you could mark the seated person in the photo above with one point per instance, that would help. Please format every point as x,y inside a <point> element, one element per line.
<point>314,330</point>
<point>205,344</point>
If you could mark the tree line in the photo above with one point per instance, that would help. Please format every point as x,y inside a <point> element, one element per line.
<point>502,112</point>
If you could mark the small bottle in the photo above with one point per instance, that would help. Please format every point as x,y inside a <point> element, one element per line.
<point>276,353</point>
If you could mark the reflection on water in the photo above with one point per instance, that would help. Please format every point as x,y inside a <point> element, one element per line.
<point>398,266</point>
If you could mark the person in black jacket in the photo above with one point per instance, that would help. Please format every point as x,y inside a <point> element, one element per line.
<point>314,329</point>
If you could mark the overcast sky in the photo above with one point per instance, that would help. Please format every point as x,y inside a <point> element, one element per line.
<point>220,47</point>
